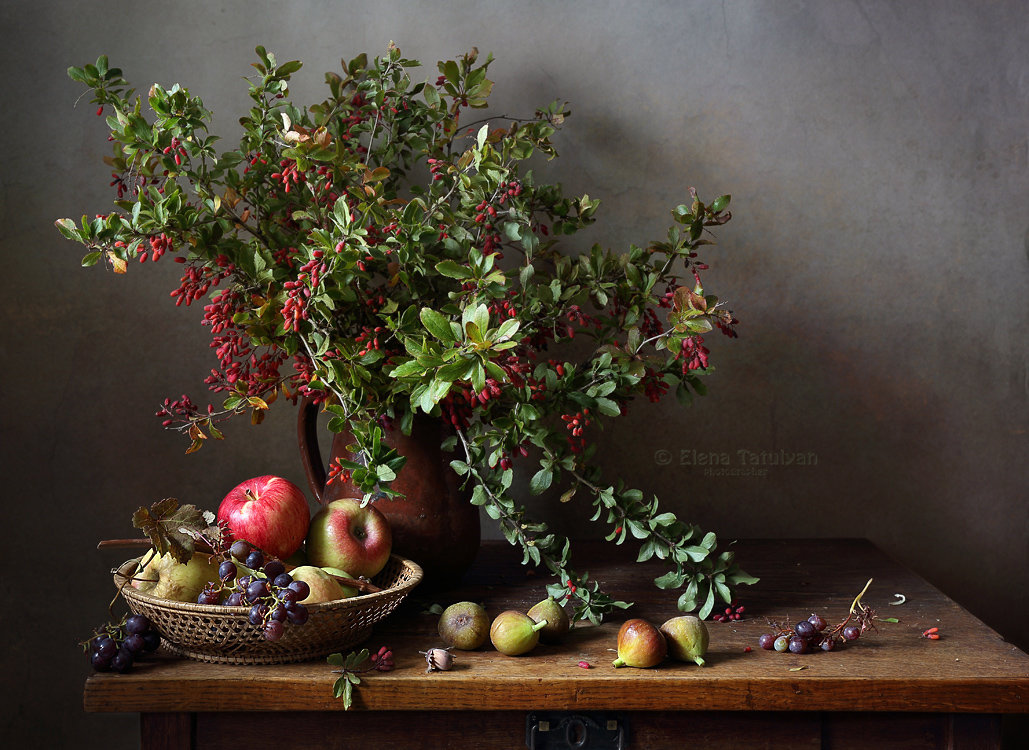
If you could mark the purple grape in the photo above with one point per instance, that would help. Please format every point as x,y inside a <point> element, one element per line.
<point>298,614</point>
<point>851,633</point>
<point>274,568</point>
<point>805,629</point>
<point>100,662</point>
<point>134,643</point>
<point>287,595</point>
<point>235,599</point>
<point>208,596</point>
<point>828,644</point>
<point>151,640</point>
<point>818,621</point>
<point>106,646</point>
<point>798,645</point>
<point>282,580</point>
<point>136,624</point>
<point>239,550</point>
<point>246,580</point>
<point>279,613</point>
<point>122,661</point>
<point>227,570</point>
<point>255,560</point>
<point>767,641</point>
<point>302,589</point>
<point>256,590</point>
<point>273,630</point>
<point>257,613</point>
<point>782,643</point>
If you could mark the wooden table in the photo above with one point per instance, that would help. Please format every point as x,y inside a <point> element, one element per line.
<point>891,689</point>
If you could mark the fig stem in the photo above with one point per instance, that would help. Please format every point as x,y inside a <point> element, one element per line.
<point>699,660</point>
<point>538,625</point>
<point>619,662</point>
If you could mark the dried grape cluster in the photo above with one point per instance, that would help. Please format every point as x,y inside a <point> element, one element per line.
<point>815,632</point>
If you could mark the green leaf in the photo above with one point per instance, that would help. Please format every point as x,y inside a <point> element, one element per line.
<point>695,553</point>
<point>541,481</point>
<point>709,603</point>
<point>670,580</point>
<point>69,229</point>
<point>637,529</point>
<point>481,318</point>
<point>739,577</point>
<point>508,329</point>
<point>608,408</point>
<point>438,325</point>
<point>454,270</point>
<point>407,369</point>
<point>458,370</point>
<point>719,204</point>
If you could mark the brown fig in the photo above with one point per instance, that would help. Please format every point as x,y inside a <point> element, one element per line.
<point>687,638</point>
<point>640,644</point>
<point>556,617</point>
<point>464,625</point>
<point>514,633</point>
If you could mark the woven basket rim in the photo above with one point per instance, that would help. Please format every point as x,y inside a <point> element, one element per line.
<point>413,569</point>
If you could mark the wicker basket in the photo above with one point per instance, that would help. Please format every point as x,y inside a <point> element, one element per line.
<point>214,633</point>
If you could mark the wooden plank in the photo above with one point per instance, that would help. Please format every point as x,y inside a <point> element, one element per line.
<point>970,669</point>
<point>166,731</point>
<point>654,730</point>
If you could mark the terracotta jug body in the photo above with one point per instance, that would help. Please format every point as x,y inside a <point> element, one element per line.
<point>434,524</point>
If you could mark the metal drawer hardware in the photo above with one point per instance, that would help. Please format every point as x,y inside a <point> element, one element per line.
<point>560,730</point>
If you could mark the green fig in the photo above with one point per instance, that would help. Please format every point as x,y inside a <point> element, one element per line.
<point>640,644</point>
<point>514,633</point>
<point>687,638</point>
<point>556,617</point>
<point>464,625</point>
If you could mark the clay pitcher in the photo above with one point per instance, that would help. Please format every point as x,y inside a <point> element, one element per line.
<point>434,524</point>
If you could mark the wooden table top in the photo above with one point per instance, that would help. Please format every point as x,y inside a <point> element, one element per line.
<point>970,669</point>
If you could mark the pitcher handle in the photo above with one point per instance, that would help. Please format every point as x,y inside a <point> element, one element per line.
<point>310,454</point>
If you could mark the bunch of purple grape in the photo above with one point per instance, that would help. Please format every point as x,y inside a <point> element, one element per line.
<point>807,635</point>
<point>116,647</point>
<point>270,592</point>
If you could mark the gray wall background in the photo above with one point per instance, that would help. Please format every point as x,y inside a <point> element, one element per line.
<point>876,153</point>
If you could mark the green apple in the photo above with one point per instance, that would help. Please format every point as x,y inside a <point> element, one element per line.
<point>345,535</point>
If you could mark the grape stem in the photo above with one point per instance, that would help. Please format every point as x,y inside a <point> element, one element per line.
<point>857,599</point>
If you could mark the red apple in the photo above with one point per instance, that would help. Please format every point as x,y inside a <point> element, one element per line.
<point>269,512</point>
<point>345,535</point>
